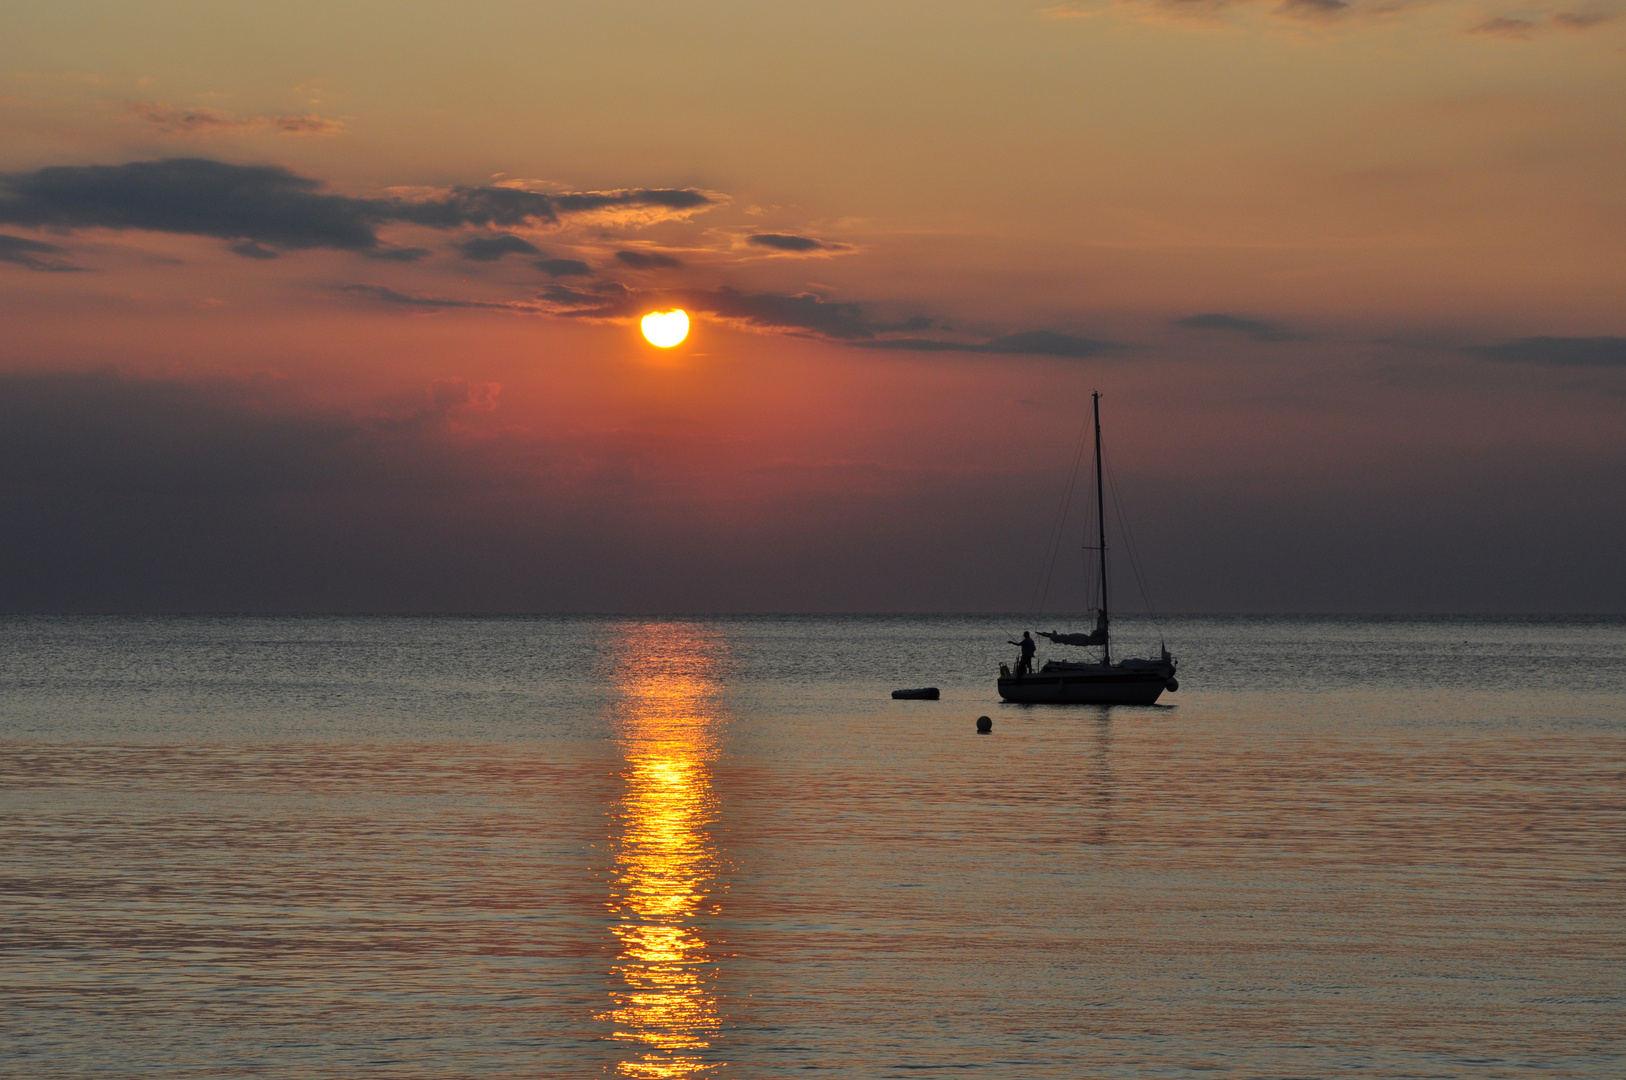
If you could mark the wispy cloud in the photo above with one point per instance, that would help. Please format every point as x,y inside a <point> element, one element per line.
<point>1258,329</point>
<point>1586,352</point>
<point>34,254</point>
<point>1585,21</point>
<point>843,322</point>
<point>801,314</point>
<point>492,248</point>
<point>383,294</point>
<point>172,121</point>
<point>1238,14</point>
<point>796,245</point>
<point>1025,343</point>
<point>646,260</point>
<point>1506,28</point>
<point>562,267</point>
<point>1314,9</point>
<point>1526,28</point>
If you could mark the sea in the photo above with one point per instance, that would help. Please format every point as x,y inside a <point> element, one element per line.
<point>314,847</point>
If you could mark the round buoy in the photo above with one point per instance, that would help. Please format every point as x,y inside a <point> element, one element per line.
<point>984,725</point>
<point>1172,685</point>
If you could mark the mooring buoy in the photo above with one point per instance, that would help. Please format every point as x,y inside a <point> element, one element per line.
<point>984,725</point>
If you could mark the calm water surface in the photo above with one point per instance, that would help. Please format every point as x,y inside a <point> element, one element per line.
<point>326,847</point>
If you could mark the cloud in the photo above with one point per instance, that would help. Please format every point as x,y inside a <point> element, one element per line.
<point>173,121</point>
<point>842,320</point>
<point>383,294</point>
<point>1238,14</point>
<point>1026,343</point>
<point>391,253</point>
<point>1314,9</point>
<point>1571,21</point>
<point>1593,352</point>
<point>806,313</point>
<point>274,208</point>
<point>1518,29</point>
<point>1257,329</point>
<point>605,299</point>
<point>25,252</point>
<point>265,204</point>
<point>250,250</point>
<point>803,314</point>
<point>562,267</point>
<point>492,248</point>
<point>1525,29</point>
<point>646,260</point>
<point>791,243</point>
<point>1176,12</point>
<point>670,198</point>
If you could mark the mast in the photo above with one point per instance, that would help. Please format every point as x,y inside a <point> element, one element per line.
<point>1101,524</point>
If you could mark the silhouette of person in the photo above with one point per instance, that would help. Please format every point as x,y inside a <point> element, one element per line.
<point>1024,666</point>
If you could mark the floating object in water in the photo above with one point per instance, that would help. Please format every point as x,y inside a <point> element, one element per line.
<point>984,725</point>
<point>1087,682</point>
<point>925,693</point>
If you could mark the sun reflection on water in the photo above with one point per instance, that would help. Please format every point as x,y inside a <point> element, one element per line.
<point>666,866</point>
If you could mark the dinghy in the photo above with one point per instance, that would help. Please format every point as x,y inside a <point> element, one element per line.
<point>925,693</point>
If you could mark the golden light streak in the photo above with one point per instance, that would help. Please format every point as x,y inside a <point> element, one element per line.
<point>666,864</point>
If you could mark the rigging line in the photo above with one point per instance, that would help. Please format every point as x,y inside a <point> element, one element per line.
<point>1042,592</point>
<point>1092,580</point>
<point>1043,595</point>
<point>1134,563</point>
<point>1129,544</point>
<point>1129,541</point>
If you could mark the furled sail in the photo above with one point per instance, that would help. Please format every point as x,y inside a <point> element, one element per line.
<point>1098,636</point>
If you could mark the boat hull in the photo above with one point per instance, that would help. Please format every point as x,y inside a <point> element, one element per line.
<point>1084,688</point>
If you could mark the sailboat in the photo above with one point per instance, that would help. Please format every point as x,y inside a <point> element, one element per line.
<point>1092,682</point>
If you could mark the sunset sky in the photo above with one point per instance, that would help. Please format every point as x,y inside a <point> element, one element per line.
<point>334,307</point>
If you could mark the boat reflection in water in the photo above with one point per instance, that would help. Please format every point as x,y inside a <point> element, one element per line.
<point>666,868</point>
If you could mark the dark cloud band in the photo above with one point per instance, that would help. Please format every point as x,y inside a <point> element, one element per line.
<point>492,248</point>
<point>1026,343</point>
<point>646,260</point>
<point>34,254</point>
<point>273,208</point>
<point>383,294</point>
<point>1257,329</point>
<point>806,315</point>
<point>1589,352</point>
<point>793,243</point>
<point>562,267</point>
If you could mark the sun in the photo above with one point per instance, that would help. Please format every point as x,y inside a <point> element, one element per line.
<point>666,328</point>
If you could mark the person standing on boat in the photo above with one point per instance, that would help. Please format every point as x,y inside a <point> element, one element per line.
<point>1024,666</point>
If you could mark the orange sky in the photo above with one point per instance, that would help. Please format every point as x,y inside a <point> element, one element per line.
<point>1350,276</point>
